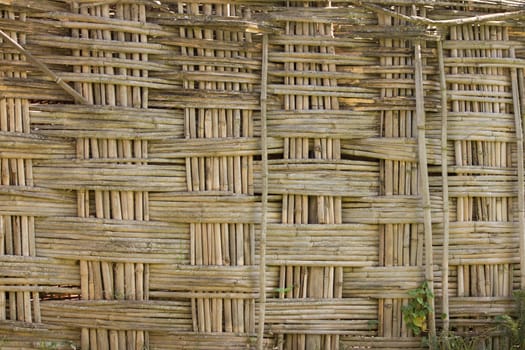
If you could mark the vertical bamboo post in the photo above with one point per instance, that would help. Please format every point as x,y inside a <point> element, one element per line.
<point>521,191</point>
<point>423,183</point>
<point>264,199</point>
<point>444,175</point>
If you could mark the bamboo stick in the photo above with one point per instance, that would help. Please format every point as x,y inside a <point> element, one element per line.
<point>264,199</point>
<point>420,115</point>
<point>521,186</point>
<point>444,175</point>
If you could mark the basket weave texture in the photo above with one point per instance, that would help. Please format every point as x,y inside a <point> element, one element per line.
<point>258,174</point>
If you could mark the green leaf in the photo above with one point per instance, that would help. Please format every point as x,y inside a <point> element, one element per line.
<point>283,290</point>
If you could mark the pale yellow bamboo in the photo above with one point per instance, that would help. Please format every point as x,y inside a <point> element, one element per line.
<point>424,188</point>
<point>444,175</point>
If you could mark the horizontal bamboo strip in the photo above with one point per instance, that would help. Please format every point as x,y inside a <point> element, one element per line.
<point>473,254</point>
<point>107,63</point>
<point>413,32</point>
<point>106,121</point>
<point>400,83</point>
<point>382,282</point>
<point>478,79</point>
<point>481,306</point>
<point>485,44</point>
<point>484,240</point>
<point>489,62</point>
<point>333,316</point>
<point>315,245</point>
<point>479,185</point>
<point>99,176</point>
<point>13,331</point>
<point>113,79</point>
<point>31,201</point>
<point>325,91</point>
<point>25,27</point>
<point>200,278</point>
<point>34,89</point>
<point>179,98</point>
<point>481,126</point>
<point>491,228</point>
<point>477,134</point>
<point>204,207</point>
<point>112,240</point>
<point>221,76</point>
<point>205,44</point>
<point>28,146</point>
<point>207,147</point>
<point>482,170</point>
<point>32,5</point>
<point>40,272</point>
<point>347,178</point>
<point>342,124</point>
<point>202,341</point>
<point>216,23</point>
<point>80,21</point>
<point>384,210</point>
<point>390,148</point>
<point>355,61</point>
<point>403,149</point>
<point>381,343</point>
<point>214,61</point>
<point>471,323</point>
<point>129,47</point>
<point>339,15</point>
<point>174,316</point>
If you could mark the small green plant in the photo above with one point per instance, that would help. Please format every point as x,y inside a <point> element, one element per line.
<point>284,290</point>
<point>453,341</point>
<point>47,345</point>
<point>372,324</point>
<point>415,313</point>
<point>514,328</point>
<point>53,345</point>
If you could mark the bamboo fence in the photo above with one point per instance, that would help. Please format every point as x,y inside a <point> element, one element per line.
<point>258,174</point>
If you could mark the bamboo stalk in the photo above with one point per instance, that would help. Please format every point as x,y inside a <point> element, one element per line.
<point>424,188</point>
<point>444,175</point>
<point>517,104</point>
<point>264,199</point>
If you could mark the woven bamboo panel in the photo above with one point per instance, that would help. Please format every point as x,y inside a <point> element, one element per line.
<point>258,174</point>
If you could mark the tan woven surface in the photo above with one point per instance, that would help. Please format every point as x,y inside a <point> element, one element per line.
<point>258,174</point>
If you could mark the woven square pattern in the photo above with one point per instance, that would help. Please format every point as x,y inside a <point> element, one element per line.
<point>259,174</point>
